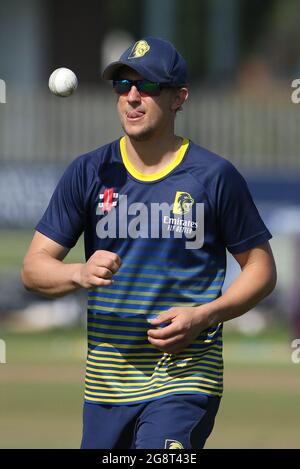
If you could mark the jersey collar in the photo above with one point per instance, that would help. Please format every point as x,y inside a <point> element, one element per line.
<point>159,174</point>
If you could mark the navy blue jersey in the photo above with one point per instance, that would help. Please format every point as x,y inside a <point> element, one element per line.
<point>171,230</point>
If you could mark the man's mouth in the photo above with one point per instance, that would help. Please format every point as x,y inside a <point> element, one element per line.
<point>134,115</point>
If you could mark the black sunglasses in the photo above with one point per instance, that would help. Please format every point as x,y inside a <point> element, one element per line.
<point>147,87</point>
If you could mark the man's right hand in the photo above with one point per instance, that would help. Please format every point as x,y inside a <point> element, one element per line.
<point>44,271</point>
<point>98,270</point>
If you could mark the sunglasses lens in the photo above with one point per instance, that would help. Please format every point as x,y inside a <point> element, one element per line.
<point>146,87</point>
<point>122,86</point>
<point>149,87</point>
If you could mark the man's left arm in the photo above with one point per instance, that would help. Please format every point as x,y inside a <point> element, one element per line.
<point>256,280</point>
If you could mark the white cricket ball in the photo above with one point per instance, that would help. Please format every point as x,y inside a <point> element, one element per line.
<point>63,82</point>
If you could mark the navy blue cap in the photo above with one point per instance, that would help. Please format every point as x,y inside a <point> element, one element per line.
<point>154,59</point>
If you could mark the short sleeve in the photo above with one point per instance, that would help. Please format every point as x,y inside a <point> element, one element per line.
<point>63,220</point>
<point>239,222</point>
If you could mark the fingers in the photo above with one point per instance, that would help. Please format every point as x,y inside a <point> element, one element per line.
<point>164,333</point>
<point>100,268</point>
<point>102,272</point>
<point>107,257</point>
<point>168,339</point>
<point>174,337</point>
<point>98,282</point>
<point>174,324</point>
<point>164,317</point>
<point>172,346</point>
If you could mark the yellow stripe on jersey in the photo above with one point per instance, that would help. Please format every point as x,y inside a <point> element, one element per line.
<point>155,352</point>
<point>145,302</point>
<point>186,390</point>
<point>159,174</point>
<point>122,366</point>
<point>146,293</point>
<point>157,276</point>
<point>139,283</point>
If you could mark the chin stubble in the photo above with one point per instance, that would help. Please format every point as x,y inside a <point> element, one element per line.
<point>140,137</point>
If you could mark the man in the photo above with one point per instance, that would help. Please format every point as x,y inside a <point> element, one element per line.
<point>158,213</point>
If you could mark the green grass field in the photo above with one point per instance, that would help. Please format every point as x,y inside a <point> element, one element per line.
<point>42,383</point>
<point>14,243</point>
<point>42,387</point>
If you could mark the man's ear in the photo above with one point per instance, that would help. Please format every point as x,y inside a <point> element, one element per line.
<point>180,96</point>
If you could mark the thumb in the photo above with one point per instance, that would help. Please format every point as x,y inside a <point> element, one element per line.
<point>162,317</point>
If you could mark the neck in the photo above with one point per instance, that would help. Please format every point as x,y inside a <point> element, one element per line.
<point>152,155</point>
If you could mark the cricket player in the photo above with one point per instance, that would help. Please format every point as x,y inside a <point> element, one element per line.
<point>158,213</point>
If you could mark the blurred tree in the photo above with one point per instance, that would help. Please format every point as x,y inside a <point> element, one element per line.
<point>224,43</point>
<point>216,37</point>
<point>163,24</point>
<point>192,35</point>
<point>255,20</point>
<point>122,15</point>
<point>284,40</point>
<point>76,33</point>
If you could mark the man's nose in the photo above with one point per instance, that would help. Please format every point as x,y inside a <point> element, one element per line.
<point>133,94</point>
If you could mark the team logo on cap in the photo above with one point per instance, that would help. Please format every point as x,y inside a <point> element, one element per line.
<point>183,203</point>
<point>139,49</point>
<point>173,444</point>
